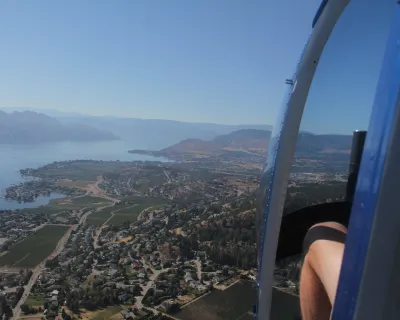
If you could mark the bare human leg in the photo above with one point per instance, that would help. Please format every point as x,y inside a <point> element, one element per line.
<point>320,275</point>
<point>314,301</point>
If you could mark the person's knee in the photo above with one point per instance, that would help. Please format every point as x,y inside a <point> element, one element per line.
<point>325,246</point>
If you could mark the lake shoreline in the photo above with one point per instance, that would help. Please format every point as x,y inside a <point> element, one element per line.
<point>34,190</point>
<point>17,157</point>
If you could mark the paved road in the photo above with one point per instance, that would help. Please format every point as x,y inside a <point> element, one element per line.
<point>95,190</point>
<point>167,176</point>
<point>82,220</point>
<point>98,231</point>
<point>149,284</point>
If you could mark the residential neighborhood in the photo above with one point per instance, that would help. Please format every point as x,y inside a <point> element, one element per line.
<point>143,240</point>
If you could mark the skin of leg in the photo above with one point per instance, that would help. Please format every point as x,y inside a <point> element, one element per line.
<point>320,275</point>
<point>314,301</point>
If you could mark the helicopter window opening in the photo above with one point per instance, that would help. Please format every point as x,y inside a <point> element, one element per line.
<point>339,102</point>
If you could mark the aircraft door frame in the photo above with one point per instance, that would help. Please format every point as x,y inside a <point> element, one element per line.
<point>369,279</point>
<point>282,146</point>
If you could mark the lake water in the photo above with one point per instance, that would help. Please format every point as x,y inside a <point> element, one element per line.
<point>40,201</point>
<point>16,157</point>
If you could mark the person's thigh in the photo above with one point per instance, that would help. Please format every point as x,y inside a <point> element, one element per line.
<point>325,257</point>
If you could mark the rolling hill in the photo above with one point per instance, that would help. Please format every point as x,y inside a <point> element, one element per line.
<point>251,142</point>
<point>245,140</point>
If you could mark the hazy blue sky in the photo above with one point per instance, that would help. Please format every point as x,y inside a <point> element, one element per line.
<point>343,89</point>
<point>198,60</point>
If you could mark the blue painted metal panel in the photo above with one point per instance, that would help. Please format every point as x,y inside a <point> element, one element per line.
<point>370,175</point>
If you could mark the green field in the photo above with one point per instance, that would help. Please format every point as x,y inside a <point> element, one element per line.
<point>89,201</point>
<point>236,303</point>
<point>106,313</point>
<point>35,300</point>
<point>97,218</point>
<point>132,212</point>
<point>144,184</point>
<point>147,201</point>
<point>82,170</point>
<point>35,248</point>
<point>59,205</point>
<point>74,183</point>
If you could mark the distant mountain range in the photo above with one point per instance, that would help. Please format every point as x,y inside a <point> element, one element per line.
<point>323,143</point>
<point>250,142</point>
<point>30,127</point>
<point>48,112</point>
<point>147,134</point>
<point>153,134</point>
<point>157,134</point>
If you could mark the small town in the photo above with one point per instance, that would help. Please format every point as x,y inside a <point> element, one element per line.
<point>141,240</point>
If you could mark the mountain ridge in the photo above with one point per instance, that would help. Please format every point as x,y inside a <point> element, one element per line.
<point>159,133</point>
<point>28,127</point>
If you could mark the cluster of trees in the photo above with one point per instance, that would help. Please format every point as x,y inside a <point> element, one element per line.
<point>308,194</point>
<point>244,256</point>
<point>243,204</point>
<point>20,292</point>
<point>230,241</point>
<point>148,299</point>
<point>28,310</point>
<point>65,315</point>
<point>232,229</point>
<point>94,298</point>
<point>187,246</point>
<point>5,309</point>
<point>153,298</point>
<point>11,280</point>
<point>151,316</point>
<point>52,263</point>
<point>287,273</point>
<point>171,290</point>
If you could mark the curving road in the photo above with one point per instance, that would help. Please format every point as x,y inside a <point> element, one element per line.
<point>95,190</point>
<point>149,284</point>
<point>97,232</point>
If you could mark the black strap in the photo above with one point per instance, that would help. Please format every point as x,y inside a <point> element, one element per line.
<point>322,233</point>
<point>295,225</point>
